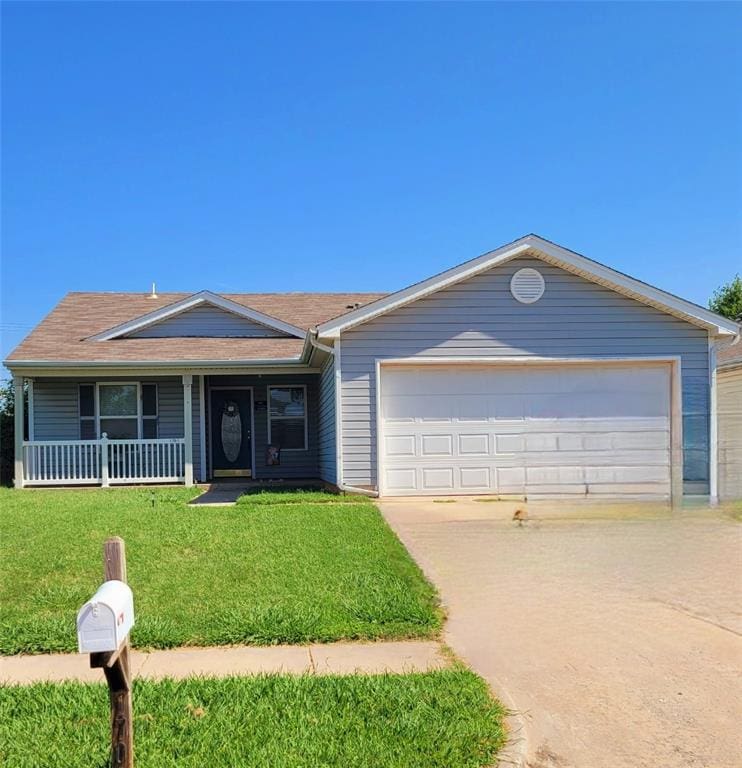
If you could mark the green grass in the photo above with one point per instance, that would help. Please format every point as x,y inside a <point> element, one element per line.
<point>256,573</point>
<point>277,496</point>
<point>444,718</point>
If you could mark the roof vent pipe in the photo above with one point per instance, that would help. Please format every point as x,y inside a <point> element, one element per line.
<point>153,295</point>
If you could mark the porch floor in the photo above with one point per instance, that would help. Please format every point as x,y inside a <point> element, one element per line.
<point>224,493</point>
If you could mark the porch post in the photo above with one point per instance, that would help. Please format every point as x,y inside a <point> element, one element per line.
<point>202,426</point>
<point>188,426</point>
<point>31,429</point>
<point>18,427</point>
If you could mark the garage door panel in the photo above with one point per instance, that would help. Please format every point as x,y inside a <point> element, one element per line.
<point>437,478</point>
<point>436,445</point>
<point>400,410</point>
<point>525,429</point>
<point>614,424</point>
<point>401,479</point>
<point>475,479</point>
<point>474,445</point>
<point>510,443</point>
<point>597,458</point>
<point>399,445</point>
<point>510,479</point>
<point>596,475</point>
<point>555,475</point>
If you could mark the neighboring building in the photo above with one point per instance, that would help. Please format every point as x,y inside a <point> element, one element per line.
<point>729,404</point>
<point>528,371</point>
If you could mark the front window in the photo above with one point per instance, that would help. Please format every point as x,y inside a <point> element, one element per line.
<point>287,418</point>
<point>119,411</point>
<point>124,411</point>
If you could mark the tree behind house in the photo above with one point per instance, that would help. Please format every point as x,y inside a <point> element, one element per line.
<point>7,430</point>
<point>727,300</point>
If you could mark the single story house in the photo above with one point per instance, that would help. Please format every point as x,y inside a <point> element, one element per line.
<point>729,389</point>
<point>528,371</point>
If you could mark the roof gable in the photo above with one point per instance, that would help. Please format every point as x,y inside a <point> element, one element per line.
<point>144,325</point>
<point>207,321</point>
<point>548,252</point>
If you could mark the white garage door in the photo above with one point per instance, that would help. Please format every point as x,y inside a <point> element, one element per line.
<point>525,429</point>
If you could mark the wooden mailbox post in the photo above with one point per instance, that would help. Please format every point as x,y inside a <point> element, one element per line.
<point>115,597</point>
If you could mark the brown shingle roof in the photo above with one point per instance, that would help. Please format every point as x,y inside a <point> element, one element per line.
<point>64,334</point>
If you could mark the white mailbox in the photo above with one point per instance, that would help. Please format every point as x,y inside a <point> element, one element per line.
<point>106,619</point>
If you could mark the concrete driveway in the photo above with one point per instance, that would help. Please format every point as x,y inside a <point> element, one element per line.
<point>613,631</point>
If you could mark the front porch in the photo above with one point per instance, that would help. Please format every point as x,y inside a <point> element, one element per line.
<point>134,430</point>
<point>104,462</point>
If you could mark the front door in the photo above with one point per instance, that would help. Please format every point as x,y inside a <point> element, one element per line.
<point>231,421</point>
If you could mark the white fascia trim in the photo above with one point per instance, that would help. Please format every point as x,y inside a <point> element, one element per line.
<point>332,328</point>
<point>713,424</point>
<point>561,257</point>
<point>203,297</point>
<point>312,336</point>
<point>338,374</point>
<point>179,364</point>
<point>534,360</point>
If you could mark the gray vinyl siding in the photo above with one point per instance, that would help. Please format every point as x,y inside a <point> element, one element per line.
<point>56,409</point>
<point>170,411</point>
<point>207,321</point>
<point>480,318</point>
<point>294,464</point>
<point>326,436</point>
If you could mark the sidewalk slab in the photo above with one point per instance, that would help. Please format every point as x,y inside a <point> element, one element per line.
<point>179,663</point>
<point>376,658</point>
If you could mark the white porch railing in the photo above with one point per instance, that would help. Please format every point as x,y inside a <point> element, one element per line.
<point>103,462</point>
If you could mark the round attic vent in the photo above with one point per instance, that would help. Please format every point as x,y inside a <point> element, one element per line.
<point>527,285</point>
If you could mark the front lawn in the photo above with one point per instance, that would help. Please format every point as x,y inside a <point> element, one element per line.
<point>444,719</point>
<point>268,570</point>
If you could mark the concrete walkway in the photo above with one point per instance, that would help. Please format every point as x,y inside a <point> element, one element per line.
<point>329,659</point>
<point>220,494</point>
<point>225,492</point>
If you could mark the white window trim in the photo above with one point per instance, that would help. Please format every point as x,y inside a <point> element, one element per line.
<point>286,418</point>
<point>150,417</point>
<point>97,417</point>
<point>80,417</point>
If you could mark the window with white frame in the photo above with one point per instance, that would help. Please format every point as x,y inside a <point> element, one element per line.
<point>124,411</point>
<point>149,411</point>
<point>287,417</point>
<point>88,424</point>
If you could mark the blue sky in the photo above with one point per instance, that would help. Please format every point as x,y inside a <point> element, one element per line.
<point>250,147</point>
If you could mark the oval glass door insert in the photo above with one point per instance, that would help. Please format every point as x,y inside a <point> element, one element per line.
<point>231,431</point>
